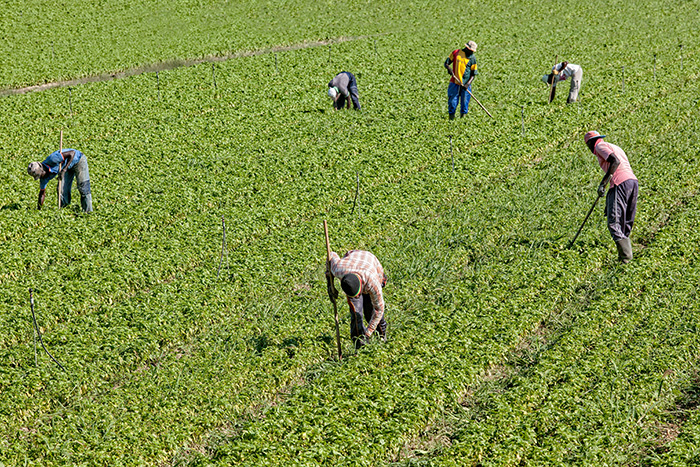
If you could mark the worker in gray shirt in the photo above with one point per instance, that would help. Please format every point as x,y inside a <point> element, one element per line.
<point>342,88</point>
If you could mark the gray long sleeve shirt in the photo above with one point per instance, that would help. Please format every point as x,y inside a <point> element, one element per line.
<point>342,82</point>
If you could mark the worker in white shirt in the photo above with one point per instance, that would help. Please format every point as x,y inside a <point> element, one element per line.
<point>562,71</point>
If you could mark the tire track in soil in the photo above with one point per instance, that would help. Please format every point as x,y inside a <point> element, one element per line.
<point>178,63</point>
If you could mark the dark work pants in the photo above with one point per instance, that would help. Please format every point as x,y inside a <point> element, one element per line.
<point>361,309</point>
<point>352,88</point>
<point>620,207</point>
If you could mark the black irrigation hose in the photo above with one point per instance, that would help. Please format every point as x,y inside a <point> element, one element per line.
<point>36,327</point>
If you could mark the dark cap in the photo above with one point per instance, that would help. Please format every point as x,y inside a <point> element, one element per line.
<point>350,283</point>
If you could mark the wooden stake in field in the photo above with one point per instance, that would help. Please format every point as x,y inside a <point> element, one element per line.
<point>681,46</point>
<point>70,101</point>
<point>223,249</point>
<point>277,71</point>
<point>552,88</point>
<point>357,194</point>
<point>654,67</point>
<point>623,80</point>
<point>332,292</point>
<point>158,84</point>
<point>59,185</point>
<point>213,75</point>
<point>522,118</point>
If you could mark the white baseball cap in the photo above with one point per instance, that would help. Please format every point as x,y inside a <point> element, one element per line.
<point>332,92</point>
<point>36,170</point>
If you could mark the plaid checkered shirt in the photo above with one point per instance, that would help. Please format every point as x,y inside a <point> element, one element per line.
<point>367,266</point>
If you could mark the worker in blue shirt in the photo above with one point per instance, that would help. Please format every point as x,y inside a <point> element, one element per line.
<point>67,165</point>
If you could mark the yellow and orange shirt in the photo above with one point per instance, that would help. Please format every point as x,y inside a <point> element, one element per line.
<point>461,63</point>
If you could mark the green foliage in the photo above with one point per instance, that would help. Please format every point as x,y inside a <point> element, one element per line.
<point>505,347</point>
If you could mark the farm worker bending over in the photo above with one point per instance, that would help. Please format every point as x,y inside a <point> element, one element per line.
<point>562,71</point>
<point>362,278</point>
<point>457,65</point>
<point>67,164</point>
<point>621,200</point>
<point>342,88</point>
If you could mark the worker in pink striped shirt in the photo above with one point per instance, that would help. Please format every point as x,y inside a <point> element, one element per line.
<point>362,278</point>
<point>621,200</point>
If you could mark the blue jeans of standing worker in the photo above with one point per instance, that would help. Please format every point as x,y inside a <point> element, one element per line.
<point>620,208</point>
<point>82,175</point>
<point>361,308</point>
<point>454,93</point>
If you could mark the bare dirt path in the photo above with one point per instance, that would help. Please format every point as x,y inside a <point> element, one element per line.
<point>176,63</point>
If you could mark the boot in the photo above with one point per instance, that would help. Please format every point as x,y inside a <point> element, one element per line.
<point>452,116</point>
<point>624,250</point>
<point>461,115</point>
<point>381,330</point>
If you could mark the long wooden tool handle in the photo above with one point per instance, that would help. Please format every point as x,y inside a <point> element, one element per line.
<point>556,57</point>
<point>480,105</point>
<point>331,289</point>
<point>328,243</point>
<point>59,185</point>
<point>584,222</point>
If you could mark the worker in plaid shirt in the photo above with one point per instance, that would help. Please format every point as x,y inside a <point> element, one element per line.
<point>362,278</point>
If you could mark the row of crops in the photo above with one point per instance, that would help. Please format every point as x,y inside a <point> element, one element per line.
<point>504,346</point>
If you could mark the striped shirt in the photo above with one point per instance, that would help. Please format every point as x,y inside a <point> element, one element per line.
<point>367,266</point>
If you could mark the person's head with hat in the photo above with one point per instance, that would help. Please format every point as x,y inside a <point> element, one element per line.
<point>37,170</point>
<point>591,139</point>
<point>333,93</point>
<point>470,48</point>
<point>351,284</point>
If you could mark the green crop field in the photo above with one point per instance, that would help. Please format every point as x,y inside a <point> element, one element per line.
<point>505,347</point>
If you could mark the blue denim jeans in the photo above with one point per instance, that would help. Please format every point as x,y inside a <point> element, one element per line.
<point>455,92</point>
<point>82,177</point>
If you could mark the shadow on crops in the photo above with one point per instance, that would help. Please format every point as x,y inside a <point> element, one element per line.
<point>685,405</point>
<point>262,342</point>
<point>10,207</point>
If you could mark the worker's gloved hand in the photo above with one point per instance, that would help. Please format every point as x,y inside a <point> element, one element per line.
<point>601,189</point>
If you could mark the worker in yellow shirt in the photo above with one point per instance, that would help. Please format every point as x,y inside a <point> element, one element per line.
<point>457,65</point>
